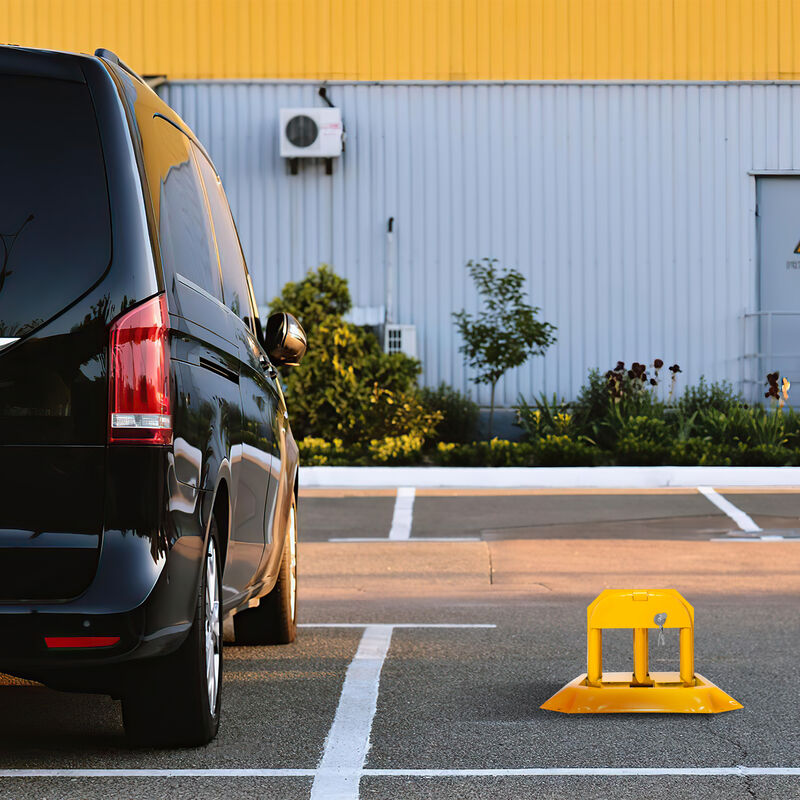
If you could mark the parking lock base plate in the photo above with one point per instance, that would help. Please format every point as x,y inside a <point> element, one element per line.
<point>616,695</point>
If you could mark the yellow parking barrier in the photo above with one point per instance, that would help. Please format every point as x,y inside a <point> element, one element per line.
<point>682,692</point>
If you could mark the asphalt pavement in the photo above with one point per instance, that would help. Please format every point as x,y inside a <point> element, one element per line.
<point>467,699</point>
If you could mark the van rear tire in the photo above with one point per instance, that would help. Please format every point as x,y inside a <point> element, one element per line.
<point>274,620</point>
<point>174,701</point>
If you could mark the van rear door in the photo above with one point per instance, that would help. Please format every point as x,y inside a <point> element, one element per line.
<point>55,250</point>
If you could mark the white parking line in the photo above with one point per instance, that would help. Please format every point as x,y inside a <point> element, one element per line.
<point>408,539</point>
<point>608,772</point>
<point>397,625</point>
<point>769,538</point>
<point>612,772</point>
<point>743,520</point>
<point>157,773</point>
<point>346,745</point>
<point>403,513</point>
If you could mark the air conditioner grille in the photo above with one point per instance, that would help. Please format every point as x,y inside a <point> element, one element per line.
<point>302,131</point>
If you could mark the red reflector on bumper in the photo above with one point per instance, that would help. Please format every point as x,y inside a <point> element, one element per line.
<point>80,641</point>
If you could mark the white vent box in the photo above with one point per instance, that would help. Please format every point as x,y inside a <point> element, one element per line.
<point>311,132</point>
<point>400,339</point>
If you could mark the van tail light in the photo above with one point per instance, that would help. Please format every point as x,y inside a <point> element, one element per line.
<point>139,397</point>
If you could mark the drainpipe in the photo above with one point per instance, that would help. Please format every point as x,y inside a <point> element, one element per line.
<point>389,312</point>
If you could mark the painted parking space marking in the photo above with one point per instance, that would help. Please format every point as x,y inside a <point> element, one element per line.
<point>403,513</point>
<point>346,539</point>
<point>345,752</point>
<point>765,538</point>
<point>397,624</point>
<point>347,743</point>
<point>613,772</point>
<point>157,773</point>
<point>609,772</point>
<point>744,521</point>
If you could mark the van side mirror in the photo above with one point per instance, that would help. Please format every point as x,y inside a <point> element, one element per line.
<point>284,340</point>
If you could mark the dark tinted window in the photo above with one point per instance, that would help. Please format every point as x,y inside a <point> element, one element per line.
<point>55,230</point>
<point>234,277</point>
<point>187,243</point>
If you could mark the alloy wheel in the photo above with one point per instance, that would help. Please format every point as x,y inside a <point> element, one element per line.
<point>293,561</point>
<point>212,626</point>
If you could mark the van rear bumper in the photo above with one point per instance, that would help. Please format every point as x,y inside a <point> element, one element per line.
<point>144,589</point>
<point>131,599</point>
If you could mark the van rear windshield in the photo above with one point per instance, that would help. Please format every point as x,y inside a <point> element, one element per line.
<point>55,228</point>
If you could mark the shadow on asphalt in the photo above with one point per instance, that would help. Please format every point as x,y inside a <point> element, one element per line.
<point>38,718</point>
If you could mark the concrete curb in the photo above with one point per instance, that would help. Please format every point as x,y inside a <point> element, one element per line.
<point>544,477</point>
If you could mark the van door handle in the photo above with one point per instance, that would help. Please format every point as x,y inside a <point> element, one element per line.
<point>214,366</point>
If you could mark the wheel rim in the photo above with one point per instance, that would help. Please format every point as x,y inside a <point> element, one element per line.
<point>212,627</point>
<point>293,561</point>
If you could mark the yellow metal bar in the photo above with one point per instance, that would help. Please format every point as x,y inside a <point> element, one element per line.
<point>687,656</point>
<point>641,670</point>
<point>595,657</point>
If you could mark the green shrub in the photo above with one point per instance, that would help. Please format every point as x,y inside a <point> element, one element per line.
<point>769,455</point>
<point>643,441</point>
<point>553,450</point>
<point>704,396</point>
<point>347,388</point>
<point>751,426</point>
<point>699,452</point>
<point>494,453</point>
<point>317,452</point>
<point>396,450</point>
<point>593,402</point>
<point>545,417</point>
<point>459,421</point>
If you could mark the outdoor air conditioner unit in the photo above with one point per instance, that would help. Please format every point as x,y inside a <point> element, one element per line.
<point>400,339</point>
<point>311,133</point>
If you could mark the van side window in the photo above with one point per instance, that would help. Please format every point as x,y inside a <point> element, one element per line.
<point>185,234</point>
<point>231,259</point>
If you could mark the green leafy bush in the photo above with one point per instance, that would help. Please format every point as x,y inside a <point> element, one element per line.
<point>701,452</point>
<point>553,450</point>
<point>459,421</point>
<point>642,441</point>
<point>347,388</point>
<point>494,453</point>
<point>769,455</point>
<point>545,417</point>
<point>318,452</point>
<point>704,396</point>
<point>396,450</point>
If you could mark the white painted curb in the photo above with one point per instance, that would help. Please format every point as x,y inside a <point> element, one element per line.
<point>544,477</point>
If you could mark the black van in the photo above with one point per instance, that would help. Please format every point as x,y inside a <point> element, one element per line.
<point>148,474</point>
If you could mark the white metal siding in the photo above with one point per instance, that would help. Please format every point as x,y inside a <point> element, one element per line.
<point>630,208</point>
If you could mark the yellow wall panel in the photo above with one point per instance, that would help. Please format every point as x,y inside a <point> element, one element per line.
<point>425,39</point>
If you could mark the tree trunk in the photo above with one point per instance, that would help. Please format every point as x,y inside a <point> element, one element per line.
<point>491,410</point>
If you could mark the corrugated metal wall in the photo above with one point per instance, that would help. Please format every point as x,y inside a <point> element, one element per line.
<point>628,207</point>
<point>424,39</point>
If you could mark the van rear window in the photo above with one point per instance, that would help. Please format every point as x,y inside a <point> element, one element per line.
<point>55,227</point>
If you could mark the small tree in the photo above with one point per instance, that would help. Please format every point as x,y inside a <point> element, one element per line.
<point>506,333</point>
